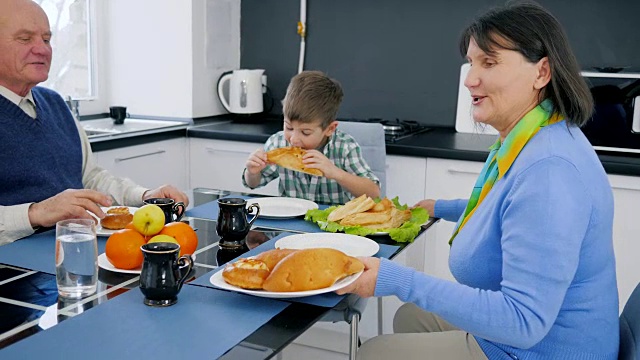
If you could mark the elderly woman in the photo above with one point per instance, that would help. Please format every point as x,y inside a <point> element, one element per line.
<point>532,250</point>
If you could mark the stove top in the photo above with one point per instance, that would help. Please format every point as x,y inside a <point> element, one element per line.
<point>395,130</point>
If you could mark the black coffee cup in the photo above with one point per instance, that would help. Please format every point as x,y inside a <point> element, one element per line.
<point>163,273</point>
<point>118,114</point>
<point>173,211</point>
<point>233,225</point>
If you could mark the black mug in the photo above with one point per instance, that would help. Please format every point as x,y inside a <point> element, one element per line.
<point>163,273</point>
<point>118,114</point>
<point>173,210</point>
<point>233,225</point>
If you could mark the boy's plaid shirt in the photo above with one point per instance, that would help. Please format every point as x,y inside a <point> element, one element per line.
<point>342,150</point>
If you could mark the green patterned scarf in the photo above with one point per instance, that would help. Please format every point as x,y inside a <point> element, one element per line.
<point>503,155</point>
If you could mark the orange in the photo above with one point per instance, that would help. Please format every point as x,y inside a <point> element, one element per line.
<point>184,234</point>
<point>123,249</point>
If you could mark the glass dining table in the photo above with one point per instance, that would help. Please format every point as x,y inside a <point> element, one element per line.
<point>29,302</point>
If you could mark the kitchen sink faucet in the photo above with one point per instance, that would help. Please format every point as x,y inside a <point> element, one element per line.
<point>74,106</point>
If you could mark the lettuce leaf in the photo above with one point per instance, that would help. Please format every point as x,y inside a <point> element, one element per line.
<point>405,233</point>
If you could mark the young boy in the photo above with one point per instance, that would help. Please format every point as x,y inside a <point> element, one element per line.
<point>310,108</point>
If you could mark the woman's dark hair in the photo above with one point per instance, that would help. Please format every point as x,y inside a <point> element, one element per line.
<point>529,29</point>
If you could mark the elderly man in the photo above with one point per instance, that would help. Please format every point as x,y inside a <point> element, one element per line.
<point>47,171</point>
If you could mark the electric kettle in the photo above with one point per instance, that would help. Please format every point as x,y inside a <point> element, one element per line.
<point>245,91</point>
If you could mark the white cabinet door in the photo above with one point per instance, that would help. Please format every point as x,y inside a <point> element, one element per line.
<point>149,165</point>
<point>218,164</point>
<point>626,233</point>
<point>446,179</point>
<point>406,178</point>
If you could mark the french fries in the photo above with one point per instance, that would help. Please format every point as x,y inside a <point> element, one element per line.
<point>363,211</point>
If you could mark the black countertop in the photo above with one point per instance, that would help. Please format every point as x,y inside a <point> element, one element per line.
<point>443,143</point>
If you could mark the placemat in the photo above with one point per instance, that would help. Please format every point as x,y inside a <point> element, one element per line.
<point>36,252</point>
<point>206,322</point>
<point>210,211</point>
<point>324,300</point>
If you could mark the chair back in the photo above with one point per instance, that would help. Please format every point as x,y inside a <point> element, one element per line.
<point>630,328</point>
<point>370,137</point>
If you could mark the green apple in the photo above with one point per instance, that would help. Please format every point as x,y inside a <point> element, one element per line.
<point>163,238</point>
<point>148,220</point>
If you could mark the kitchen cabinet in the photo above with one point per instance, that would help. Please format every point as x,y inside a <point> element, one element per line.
<point>149,165</point>
<point>626,230</point>
<point>218,164</point>
<point>446,179</point>
<point>406,177</point>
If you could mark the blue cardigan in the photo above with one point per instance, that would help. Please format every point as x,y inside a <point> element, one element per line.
<point>534,265</point>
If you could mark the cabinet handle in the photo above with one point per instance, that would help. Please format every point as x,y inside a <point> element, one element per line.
<point>625,187</point>
<point>141,155</point>
<point>460,171</point>
<point>211,150</point>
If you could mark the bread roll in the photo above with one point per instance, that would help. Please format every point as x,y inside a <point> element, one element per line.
<point>291,158</point>
<point>246,273</point>
<point>357,205</point>
<point>273,257</point>
<point>116,218</point>
<point>311,269</point>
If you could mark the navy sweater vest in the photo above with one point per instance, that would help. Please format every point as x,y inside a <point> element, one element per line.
<point>39,157</point>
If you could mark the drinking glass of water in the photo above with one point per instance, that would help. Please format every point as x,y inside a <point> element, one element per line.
<point>76,258</point>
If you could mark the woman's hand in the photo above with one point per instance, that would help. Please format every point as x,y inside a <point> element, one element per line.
<point>427,204</point>
<point>365,286</point>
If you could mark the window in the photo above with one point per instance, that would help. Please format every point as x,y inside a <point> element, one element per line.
<point>72,70</point>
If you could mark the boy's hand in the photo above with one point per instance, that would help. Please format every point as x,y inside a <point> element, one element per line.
<point>316,160</point>
<point>256,162</point>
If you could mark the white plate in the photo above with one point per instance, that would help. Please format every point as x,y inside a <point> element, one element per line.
<point>104,263</point>
<point>100,231</point>
<point>282,207</point>
<point>352,245</point>
<point>217,281</point>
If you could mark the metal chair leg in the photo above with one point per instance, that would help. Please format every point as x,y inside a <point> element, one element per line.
<point>380,328</point>
<point>353,346</point>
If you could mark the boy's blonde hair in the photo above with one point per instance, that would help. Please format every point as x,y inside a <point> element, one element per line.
<point>312,96</point>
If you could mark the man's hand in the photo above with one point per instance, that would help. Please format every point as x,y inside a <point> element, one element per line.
<point>314,159</point>
<point>365,286</point>
<point>167,191</point>
<point>69,204</point>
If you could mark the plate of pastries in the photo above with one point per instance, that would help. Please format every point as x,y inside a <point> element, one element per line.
<point>366,216</point>
<point>289,273</point>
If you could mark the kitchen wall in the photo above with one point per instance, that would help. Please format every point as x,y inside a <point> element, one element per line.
<point>399,59</point>
<point>163,57</point>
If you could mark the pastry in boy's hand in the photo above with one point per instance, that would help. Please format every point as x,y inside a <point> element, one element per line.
<point>291,158</point>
